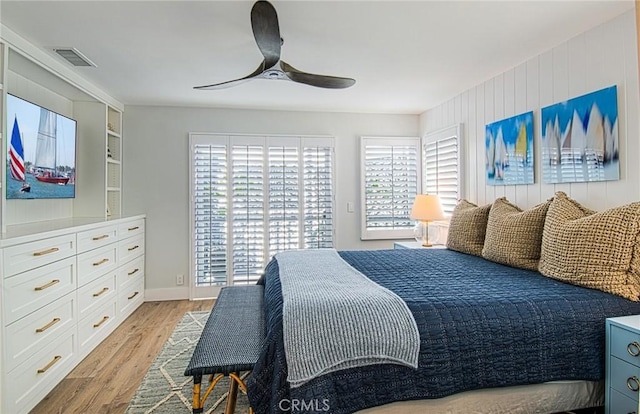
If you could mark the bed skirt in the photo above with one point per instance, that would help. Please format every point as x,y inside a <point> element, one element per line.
<point>550,397</point>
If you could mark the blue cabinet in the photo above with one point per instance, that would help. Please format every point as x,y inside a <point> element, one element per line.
<point>622,365</point>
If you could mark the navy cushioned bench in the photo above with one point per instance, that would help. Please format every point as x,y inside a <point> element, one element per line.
<point>230,343</point>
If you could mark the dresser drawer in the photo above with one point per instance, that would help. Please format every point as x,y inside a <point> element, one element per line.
<point>130,248</point>
<point>620,404</point>
<point>28,291</point>
<point>130,297</point>
<point>130,271</point>
<point>94,293</point>
<point>97,325</point>
<point>130,229</point>
<point>35,332</point>
<point>625,345</point>
<point>95,263</point>
<point>622,373</point>
<point>94,238</point>
<point>33,380</point>
<point>17,259</point>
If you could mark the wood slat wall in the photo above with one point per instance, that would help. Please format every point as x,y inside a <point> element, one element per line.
<point>601,57</point>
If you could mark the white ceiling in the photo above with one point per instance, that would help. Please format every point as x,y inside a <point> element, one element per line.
<point>405,56</point>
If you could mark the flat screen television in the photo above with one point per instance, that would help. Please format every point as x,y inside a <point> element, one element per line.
<point>41,152</point>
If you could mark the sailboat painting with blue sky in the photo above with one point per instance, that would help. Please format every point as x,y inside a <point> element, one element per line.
<point>580,139</point>
<point>509,150</point>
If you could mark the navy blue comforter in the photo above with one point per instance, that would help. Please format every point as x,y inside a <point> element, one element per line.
<point>481,324</point>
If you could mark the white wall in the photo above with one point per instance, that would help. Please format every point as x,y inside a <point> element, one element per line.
<point>604,56</point>
<point>156,167</point>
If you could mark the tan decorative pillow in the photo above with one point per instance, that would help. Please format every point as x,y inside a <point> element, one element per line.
<point>514,236</point>
<point>467,227</point>
<point>595,250</point>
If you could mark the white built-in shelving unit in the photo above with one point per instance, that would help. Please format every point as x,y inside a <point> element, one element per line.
<point>98,191</point>
<point>114,162</point>
<point>71,270</point>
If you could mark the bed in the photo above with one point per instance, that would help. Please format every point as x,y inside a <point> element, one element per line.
<point>487,332</point>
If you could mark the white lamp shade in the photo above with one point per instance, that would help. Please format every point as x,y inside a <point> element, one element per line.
<point>426,207</point>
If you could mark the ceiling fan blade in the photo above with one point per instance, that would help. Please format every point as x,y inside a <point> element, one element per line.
<point>228,84</point>
<point>266,31</point>
<point>321,81</point>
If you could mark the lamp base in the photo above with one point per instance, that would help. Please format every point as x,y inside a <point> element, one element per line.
<point>421,233</point>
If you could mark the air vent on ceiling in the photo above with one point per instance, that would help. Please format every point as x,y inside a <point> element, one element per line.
<point>74,56</point>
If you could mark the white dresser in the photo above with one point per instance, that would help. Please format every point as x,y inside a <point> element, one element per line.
<point>66,285</point>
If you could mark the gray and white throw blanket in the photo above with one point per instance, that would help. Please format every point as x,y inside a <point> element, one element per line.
<point>334,317</point>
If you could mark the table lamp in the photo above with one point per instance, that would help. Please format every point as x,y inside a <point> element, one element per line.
<point>426,208</point>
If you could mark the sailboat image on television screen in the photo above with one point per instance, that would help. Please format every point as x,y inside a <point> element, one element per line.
<point>45,161</point>
<point>16,158</point>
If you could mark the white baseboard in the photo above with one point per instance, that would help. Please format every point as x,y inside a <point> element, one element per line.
<point>156,295</point>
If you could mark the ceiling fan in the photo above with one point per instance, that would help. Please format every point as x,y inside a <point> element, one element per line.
<point>266,31</point>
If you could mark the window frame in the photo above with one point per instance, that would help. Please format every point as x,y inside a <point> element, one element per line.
<point>229,141</point>
<point>386,233</point>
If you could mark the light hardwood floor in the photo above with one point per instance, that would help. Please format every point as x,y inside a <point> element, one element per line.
<point>106,380</point>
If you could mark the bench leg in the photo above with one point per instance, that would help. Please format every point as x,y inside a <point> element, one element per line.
<point>230,408</point>
<point>234,377</point>
<point>197,403</point>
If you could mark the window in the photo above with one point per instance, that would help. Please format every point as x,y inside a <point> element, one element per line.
<point>253,197</point>
<point>390,174</point>
<point>441,166</point>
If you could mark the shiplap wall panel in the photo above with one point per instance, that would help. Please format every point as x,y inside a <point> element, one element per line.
<point>498,113</point>
<point>509,94</point>
<point>464,114</point>
<point>489,113</point>
<point>629,189</point>
<point>533,103</point>
<point>560,80</point>
<point>479,139</point>
<point>577,52</point>
<point>519,107</point>
<point>470,185</point>
<point>601,57</point>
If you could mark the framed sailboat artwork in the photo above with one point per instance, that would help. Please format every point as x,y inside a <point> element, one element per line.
<point>509,150</point>
<point>580,139</point>
<point>41,152</point>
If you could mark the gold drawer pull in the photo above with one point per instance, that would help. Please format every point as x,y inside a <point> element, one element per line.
<point>633,348</point>
<point>104,236</point>
<point>42,253</point>
<point>103,261</point>
<point>633,383</point>
<point>48,285</point>
<point>133,248</point>
<point>133,296</point>
<point>133,271</point>
<point>133,228</point>
<point>50,364</point>
<point>104,289</point>
<point>47,326</point>
<point>104,319</point>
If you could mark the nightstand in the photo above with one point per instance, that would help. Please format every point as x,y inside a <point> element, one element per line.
<point>416,245</point>
<point>622,364</point>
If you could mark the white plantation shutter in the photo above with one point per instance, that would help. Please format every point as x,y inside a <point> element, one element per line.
<point>318,197</point>
<point>248,197</point>
<point>390,181</point>
<point>210,215</point>
<point>253,197</point>
<point>441,166</point>
<point>284,199</point>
